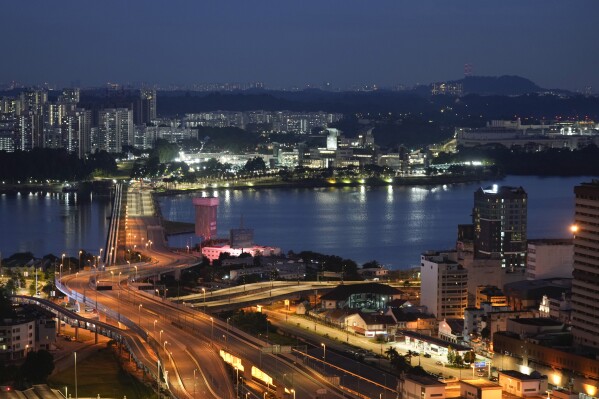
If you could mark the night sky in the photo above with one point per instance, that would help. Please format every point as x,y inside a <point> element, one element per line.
<point>283,43</point>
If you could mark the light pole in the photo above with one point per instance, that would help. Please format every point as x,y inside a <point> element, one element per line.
<point>204,291</point>
<point>293,392</point>
<point>80,252</point>
<point>135,272</point>
<point>76,395</point>
<point>139,321</point>
<point>155,327</point>
<point>112,274</point>
<point>161,331</point>
<point>212,331</point>
<point>324,356</point>
<point>194,382</point>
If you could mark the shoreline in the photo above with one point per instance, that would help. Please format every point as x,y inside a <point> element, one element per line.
<point>334,183</point>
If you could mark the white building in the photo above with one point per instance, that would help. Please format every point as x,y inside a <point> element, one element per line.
<point>214,252</point>
<point>420,387</point>
<point>523,385</point>
<point>480,389</point>
<point>549,258</point>
<point>115,129</point>
<point>444,285</point>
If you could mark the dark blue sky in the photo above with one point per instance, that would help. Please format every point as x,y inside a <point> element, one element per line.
<point>286,42</point>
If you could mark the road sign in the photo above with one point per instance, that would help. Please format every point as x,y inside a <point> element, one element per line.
<point>480,365</point>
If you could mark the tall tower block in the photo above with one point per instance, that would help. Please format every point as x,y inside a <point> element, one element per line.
<point>205,217</point>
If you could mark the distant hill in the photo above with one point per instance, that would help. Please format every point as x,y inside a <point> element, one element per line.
<point>498,85</point>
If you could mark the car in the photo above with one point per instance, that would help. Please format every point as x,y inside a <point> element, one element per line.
<point>439,363</point>
<point>494,379</point>
<point>480,374</point>
<point>427,355</point>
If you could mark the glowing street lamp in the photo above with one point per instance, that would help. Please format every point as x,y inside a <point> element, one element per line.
<point>574,228</point>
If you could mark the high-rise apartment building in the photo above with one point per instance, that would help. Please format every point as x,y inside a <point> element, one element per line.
<point>146,107</point>
<point>500,218</point>
<point>76,132</point>
<point>115,129</point>
<point>585,283</point>
<point>444,285</point>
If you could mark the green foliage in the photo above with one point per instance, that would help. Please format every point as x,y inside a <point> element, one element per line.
<point>164,151</point>
<point>6,308</point>
<point>332,263</point>
<point>470,357</point>
<point>255,165</point>
<point>51,164</point>
<point>251,322</point>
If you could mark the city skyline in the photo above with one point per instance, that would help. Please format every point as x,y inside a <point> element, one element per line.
<point>286,45</point>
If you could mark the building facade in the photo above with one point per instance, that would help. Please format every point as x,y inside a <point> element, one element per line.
<point>444,285</point>
<point>585,283</point>
<point>500,222</point>
<point>549,258</point>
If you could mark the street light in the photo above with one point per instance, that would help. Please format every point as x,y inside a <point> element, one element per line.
<point>155,321</point>
<point>204,291</point>
<point>194,382</point>
<point>212,331</point>
<point>293,392</point>
<point>76,396</point>
<point>324,351</point>
<point>164,345</point>
<point>161,331</point>
<point>139,321</point>
<point>135,271</point>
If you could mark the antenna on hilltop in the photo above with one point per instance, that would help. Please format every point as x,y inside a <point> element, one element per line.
<point>468,69</point>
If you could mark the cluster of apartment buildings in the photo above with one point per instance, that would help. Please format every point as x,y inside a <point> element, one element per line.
<point>270,121</point>
<point>534,300</point>
<point>30,120</point>
<point>571,135</point>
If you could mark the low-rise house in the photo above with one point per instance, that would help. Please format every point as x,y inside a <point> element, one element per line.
<point>373,296</point>
<point>451,330</point>
<point>370,324</point>
<point>420,387</point>
<point>479,389</point>
<point>523,385</point>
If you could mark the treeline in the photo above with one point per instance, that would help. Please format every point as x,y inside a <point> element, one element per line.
<point>519,161</point>
<point>53,164</point>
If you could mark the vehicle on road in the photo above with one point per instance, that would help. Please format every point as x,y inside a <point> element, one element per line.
<point>427,355</point>
<point>439,363</point>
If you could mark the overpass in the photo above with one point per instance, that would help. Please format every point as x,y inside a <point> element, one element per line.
<point>189,341</point>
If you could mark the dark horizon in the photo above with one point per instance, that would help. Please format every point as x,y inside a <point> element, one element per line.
<point>282,44</point>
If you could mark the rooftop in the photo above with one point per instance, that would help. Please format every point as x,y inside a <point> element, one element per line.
<point>424,380</point>
<point>522,376</point>
<point>344,291</point>
<point>538,321</point>
<point>481,383</point>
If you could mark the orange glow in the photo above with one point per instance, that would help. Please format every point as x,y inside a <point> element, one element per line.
<point>574,228</point>
<point>590,390</point>
<point>556,379</point>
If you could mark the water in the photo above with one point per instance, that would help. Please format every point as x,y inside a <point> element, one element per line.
<point>57,223</point>
<point>392,225</point>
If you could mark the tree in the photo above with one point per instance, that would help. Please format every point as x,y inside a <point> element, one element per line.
<point>255,165</point>
<point>451,355</point>
<point>6,309</point>
<point>36,368</point>
<point>470,357</point>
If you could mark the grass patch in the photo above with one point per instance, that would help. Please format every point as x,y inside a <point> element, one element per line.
<point>101,374</point>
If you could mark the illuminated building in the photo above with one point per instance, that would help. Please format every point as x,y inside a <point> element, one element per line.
<point>499,217</point>
<point>115,129</point>
<point>146,107</point>
<point>205,222</point>
<point>585,285</point>
<point>444,285</point>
